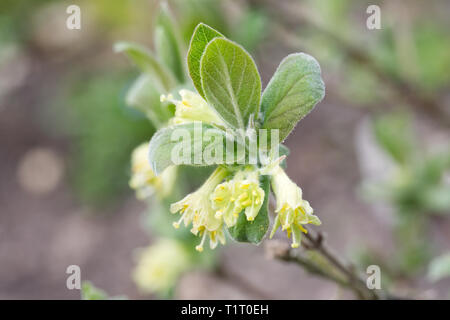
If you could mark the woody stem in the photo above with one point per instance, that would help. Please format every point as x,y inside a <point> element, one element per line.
<point>341,273</point>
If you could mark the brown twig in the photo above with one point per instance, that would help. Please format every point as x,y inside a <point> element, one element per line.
<point>280,250</point>
<point>341,273</point>
<point>335,270</point>
<point>354,279</point>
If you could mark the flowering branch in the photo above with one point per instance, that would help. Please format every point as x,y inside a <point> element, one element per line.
<point>235,198</point>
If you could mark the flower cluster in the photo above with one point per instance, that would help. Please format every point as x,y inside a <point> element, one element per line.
<point>241,193</point>
<point>215,204</point>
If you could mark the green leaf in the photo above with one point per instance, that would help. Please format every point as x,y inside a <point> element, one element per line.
<point>202,35</point>
<point>144,95</point>
<point>230,81</point>
<point>439,268</point>
<point>294,90</point>
<point>190,144</point>
<point>253,231</point>
<point>167,43</point>
<point>147,62</point>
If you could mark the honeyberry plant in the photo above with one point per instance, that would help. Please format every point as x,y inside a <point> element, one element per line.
<point>231,128</point>
<point>221,124</point>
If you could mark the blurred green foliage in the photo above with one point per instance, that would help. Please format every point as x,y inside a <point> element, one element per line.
<point>394,133</point>
<point>433,54</point>
<point>418,185</point>
<point>416,191</point>
<point>91,292</point>
<point>414,49</point>
<point>104,132</point>
<point>439,268</point>
<point>16,18</point>
<point>427,59</point>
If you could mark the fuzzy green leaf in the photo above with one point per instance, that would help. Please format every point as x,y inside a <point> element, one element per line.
<point>202,35</point>
<point>294,90</point>
<point>147,62</point>
<point>167,43</point>
<point>189,144</point>
<point>253,231</point>
<point>230,81</point>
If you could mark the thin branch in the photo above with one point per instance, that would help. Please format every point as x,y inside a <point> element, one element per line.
<point>316,242</point>
<point>281,250</point>
<point>334,271</point>
<point>342,273</point>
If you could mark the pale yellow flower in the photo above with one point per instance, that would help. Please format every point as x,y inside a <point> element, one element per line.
<point>144,180</point>
<point>292,211</point>
<point>160,265</point>
<point>241,193</point>
<point>192,107</point>
<point>196,208</point>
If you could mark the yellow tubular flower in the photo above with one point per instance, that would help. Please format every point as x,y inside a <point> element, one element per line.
<point>160,265</point>
<point>241,193</point>
<point>292,211</point>
<point>196,208</point>
<point>144,180</point>
<point>192,107</point>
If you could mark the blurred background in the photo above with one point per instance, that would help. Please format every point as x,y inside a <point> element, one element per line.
<point>373,158</point>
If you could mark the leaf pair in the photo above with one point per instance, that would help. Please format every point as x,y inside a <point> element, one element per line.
<point>227,77</point>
